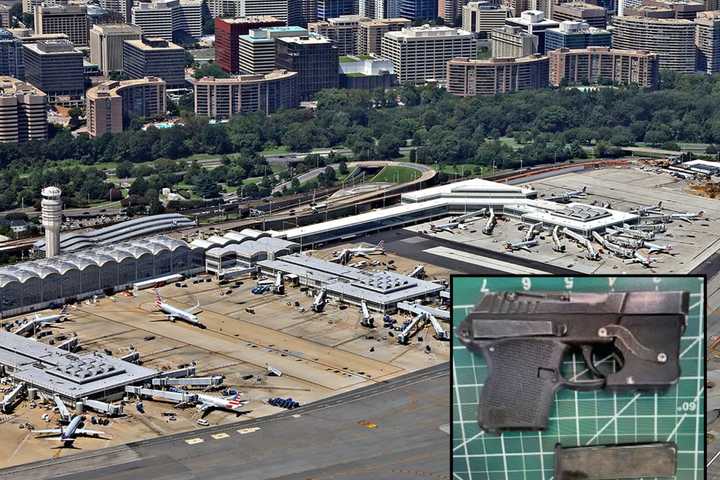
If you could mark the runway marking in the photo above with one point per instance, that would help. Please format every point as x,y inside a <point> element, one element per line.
<point>219,436</point>
<point>474,259</point>
<point>194,441</point>
<point>245,431</point>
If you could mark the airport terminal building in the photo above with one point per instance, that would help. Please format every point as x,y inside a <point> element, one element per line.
<point>74,276</point>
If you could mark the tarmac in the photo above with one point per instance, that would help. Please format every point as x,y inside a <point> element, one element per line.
<point>391,430</point>
<point>319,355</point>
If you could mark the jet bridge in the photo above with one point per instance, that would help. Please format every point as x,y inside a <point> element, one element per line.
<point>592,253</point>
<point>367,319</point>
<point>319,302</point>
<point>415,325</point>
<point>13,398</point>
<point>110,409</point>
<point>214,381</point>
<point>177,397</point>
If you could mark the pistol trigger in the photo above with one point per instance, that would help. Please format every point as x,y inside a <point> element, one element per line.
<point>587,355</point>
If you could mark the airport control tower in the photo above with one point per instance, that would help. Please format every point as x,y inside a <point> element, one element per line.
<point>51,219</point>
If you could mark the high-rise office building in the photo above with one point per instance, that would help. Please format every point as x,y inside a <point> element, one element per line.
<point>11,56</point>
<point>5,16</point>
<point>227,38</point>
<point>254,8</point>
<point>451,12</point>
<point>303,12</point>
<point>169,19</point>
<point>419,9</point>
<point>111,105</point>
<point>595,65</point>
<point>685,9</point>
<point>707,40</point>
<point>672,39</point>
<point>576,35</point>
<point>535,23</point>
<point>482,17</point>
<point>344,31</point>
<point>470,77</point>
<point>420,54</point>
<point>155,57</point>
<point>281,9</point>
<point>593,15</point>
<point>512,42</point>
<point>315,59</point>
<point>121,7</point>
<point>335,8</point>
<point>28,35</point>
<point>23,112</point>
<point>371,32</point>
<point>258,49</point>
<point>56,68</point>
<point>221,98</point>
<point>71,20</point>
<point>106,45</point>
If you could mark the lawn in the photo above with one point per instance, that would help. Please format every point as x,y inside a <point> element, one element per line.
<point>396,174</point>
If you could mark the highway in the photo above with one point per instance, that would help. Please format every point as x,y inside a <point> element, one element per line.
<point>387,431</point>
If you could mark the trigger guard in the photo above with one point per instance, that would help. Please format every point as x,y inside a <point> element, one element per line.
<point>585,385</point>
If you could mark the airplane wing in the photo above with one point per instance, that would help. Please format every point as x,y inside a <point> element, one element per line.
<point>685,219</point>
<point>89,433</point>
<point>364,255</point>
<point>49,431</point>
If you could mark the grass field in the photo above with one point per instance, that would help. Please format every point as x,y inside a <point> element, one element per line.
<point>396,174</point>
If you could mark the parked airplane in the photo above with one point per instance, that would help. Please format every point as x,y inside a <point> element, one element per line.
<point>31,326</point>
<point>650,209</point>
<point>656,248</point>
<point>567,196</point>
<point>345,255</point>
<point>68,435</point>
<point>206,403</point>
<point>175,313</point>
<point>521,245</point>
<point>641,259</point>
<point>53,318</point>
<point>687,217</point>
<point>447,227</point>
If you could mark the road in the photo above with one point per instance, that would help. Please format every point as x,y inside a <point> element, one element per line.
<point>387,431</point>
<point>314,173</point>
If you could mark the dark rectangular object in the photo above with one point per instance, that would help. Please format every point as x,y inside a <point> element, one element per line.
<point>615,462</point>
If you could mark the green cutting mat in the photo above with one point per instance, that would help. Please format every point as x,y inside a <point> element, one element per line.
<point>578,418</point>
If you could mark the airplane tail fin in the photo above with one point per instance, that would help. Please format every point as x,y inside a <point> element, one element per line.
<point>158,298</point>
<point>584,189</point>
<point>381,244</point>
<point>701,213</point>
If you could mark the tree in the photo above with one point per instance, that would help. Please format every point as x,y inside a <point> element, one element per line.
<point>388,147</point>
<point>138,187</point>
<point>124,169</point>
<point>210,70</point>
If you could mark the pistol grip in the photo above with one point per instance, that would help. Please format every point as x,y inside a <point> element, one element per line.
<point>523,376</point>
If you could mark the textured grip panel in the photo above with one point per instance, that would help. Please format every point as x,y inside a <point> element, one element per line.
<point>523,377</point>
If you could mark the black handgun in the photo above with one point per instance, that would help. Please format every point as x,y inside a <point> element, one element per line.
<point>524,338</point>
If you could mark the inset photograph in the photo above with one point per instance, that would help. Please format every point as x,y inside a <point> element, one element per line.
<point>589,377</point>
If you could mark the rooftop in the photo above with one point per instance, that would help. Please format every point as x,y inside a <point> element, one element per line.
<point>71,375</point>
<point>10,86</point>
<point>250,19</point>
<point>154,44</point>
<point>427,31</point>
<point>53,47</point>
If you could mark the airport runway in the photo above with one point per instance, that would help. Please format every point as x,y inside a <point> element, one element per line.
<point>387,431</point>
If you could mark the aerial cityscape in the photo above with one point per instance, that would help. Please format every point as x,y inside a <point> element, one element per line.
<point>228,227</point>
